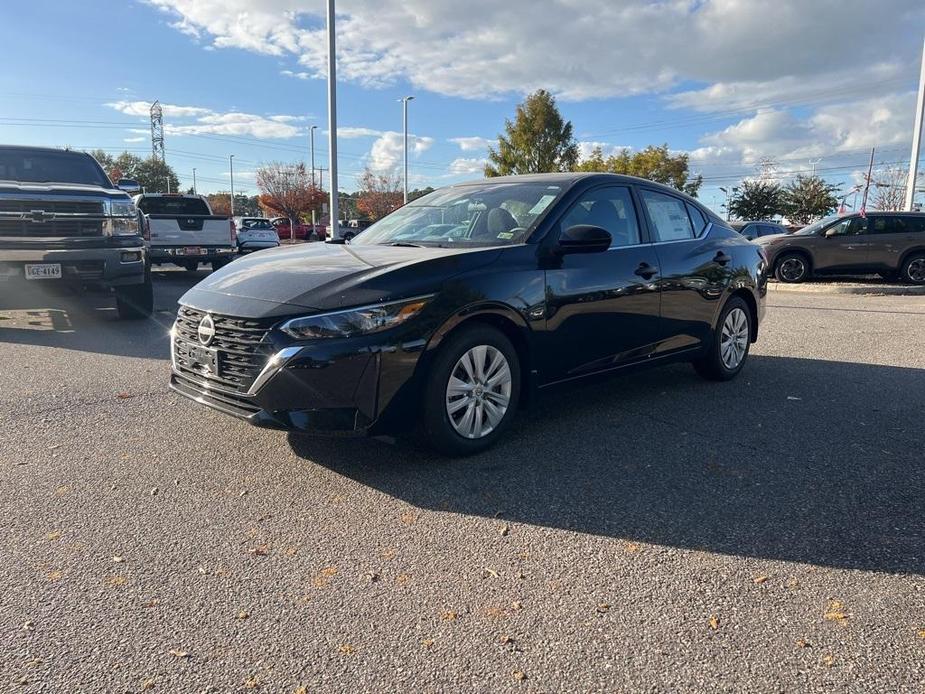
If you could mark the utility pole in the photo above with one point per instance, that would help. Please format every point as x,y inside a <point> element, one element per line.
<point>870,171</point>
<point>404,104</point>
<point>195,192</point>
<point>231,170</point>
<point>332,122</point>
<point>916,139</point>
<point>311,135</point>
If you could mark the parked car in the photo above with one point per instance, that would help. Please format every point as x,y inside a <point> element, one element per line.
<point>303,232</point>
<point>183,231</point>
<point>754,230</point>
<point>889,243</point>
<point>457,307</point>
<point>62,220</point>
<point>254,234</point>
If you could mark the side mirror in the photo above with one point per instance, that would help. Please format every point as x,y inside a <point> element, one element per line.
<point>129,186</point>
<point>584,238</point>
<point>829,233</point>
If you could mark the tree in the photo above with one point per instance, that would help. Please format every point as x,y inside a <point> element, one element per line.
<point>379,194</point>
<point>653,163</point>
<point>538,141</point>
<point>759,199</point>
<point>287,190</point>
<point>890,187</point>
<point>152,174</point>
<point>808,198</point>
<point>419,192</point>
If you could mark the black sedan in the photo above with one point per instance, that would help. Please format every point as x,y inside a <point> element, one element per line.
<point>457,308</point>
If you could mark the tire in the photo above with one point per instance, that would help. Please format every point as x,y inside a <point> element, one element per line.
<point>136,301</point>
<point>792,268</point>
<point>219,264</point>
<point>713,365</point>
<point>349,235</point>
<point>913,270</point>
<point>890,276</point>
<point>441,426</point>
<point>190,265</point>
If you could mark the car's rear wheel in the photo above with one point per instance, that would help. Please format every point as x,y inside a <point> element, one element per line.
<point>792,267</point>
<point>472,391</point>
<point>728,352</point>
<point>914,269</point>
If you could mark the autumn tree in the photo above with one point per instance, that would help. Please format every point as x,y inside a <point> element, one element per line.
<point>890,186</point>
<point>379,194</point>
<point>152,174</point>
<point>287,190</point>
<point>538,140</point>
<point>655,163</point>
<point>808,198</point>
<point>757,199</point>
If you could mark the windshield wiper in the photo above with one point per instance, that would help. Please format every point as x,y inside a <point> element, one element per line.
<point>405,244</point>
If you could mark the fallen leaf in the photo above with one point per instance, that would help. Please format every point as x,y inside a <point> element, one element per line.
<point>802,643</point>
<point>62,490</point>
<point>922,633</point>
<point>519,675</point>
<point>124,396</point>
<point>151,603</point>
<point>494,612</point>
<point>35,662</point>
<point>290,551</point>
<point>489,572</point>
<point>517,605</point>
<point>154,491</point>
<point>408,517</point>
<point>346,649</point>
<point>55,575</point>
<point>631,547</point>
<point>252,683</point>
<point>243,614</point>
<point>836,612</point>
<point>29,625</point>
<point>506,640</point>
<point>178,653</point>
<point>323,577</point>
<point>388,553</point>
<point>603,607</point>
<point>53,535</point>
<point>402,579</point>
<point>449,615</point>
<point>147,684</point>
<point>116,580</point>
<point>505,529</point>
<point>792,583</point>
<point>118,560</point>
<point>714,622</point>
<point>760,579</point>
<point>428,643</point>
<point>300,690</point>
<point>828,660</point>
<point>259,550</point>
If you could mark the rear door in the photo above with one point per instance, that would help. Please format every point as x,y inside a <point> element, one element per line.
<point>842,246</point>
<point>890,236</point>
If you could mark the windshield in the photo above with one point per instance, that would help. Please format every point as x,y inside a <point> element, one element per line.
<point>173,206</point>
<point>816,226</point>
<point>487,214</point>
<point>37,166</point>
<point>256,224</point>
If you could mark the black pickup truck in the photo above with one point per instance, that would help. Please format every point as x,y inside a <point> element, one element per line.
<point>62,220</point>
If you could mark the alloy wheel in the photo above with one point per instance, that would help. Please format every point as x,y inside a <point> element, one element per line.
<point>734,341</point>
<point>479,391</point>
<point>916,270</point>
<point>792,269</point>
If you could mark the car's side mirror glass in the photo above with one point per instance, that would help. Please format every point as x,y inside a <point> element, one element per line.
<point>584,238</point>
<point>129,186</point>
<point>829,233</point>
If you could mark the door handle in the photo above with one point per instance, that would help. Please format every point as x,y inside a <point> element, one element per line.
<point>722,258</point>
<point>646,271</point>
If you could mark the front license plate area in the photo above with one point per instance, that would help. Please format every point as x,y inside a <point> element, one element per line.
<point>43,271</point>
<point>199,358</point>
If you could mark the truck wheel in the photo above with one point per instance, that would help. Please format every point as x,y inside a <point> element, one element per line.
<point>136,301</point>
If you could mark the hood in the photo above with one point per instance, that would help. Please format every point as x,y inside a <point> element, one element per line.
<point>771,240</point>
<point>42,189</point>
<point>326,276</point>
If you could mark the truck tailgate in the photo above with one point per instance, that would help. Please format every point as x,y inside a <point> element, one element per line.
<point>189,230</point>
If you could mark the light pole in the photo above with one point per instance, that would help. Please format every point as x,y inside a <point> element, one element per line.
<point>916,139</point>
<point>194,182</point>
<point>311,136</point>
<point>404,108</point>
<point>231,169</point>
<point>332,122</point>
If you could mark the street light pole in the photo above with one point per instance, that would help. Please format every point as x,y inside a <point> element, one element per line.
<point>332,122</point>
<point>916,138</point>
<point>404,104</point>
<point>311,135</point>
<point>231,170</point>
<point>195,192</point>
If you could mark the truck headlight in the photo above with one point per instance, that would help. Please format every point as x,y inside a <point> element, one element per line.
<point>355,321</point>
<point>123,218</point>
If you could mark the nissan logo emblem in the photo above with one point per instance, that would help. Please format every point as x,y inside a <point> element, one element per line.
<point>206,331</point>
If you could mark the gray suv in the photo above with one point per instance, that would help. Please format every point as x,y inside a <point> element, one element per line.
<point>891,244</point>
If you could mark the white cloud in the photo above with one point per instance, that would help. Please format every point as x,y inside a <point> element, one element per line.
<point>597,49</point>
<point>351,133</point>
<point>206,121</point>
<point>472,144</point>
<point>143,109</point>
<point>387,152</point>
<point>134,139</point>
<point>467,166</point>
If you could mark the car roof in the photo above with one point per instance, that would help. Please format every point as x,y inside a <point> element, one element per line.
<point>570,178</point>
<point>49,150</point>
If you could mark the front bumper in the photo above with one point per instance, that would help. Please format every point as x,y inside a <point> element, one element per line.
<point>334,387</point>
<point>108,265</point>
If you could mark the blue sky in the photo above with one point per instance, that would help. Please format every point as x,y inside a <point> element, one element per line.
<point>721,80</point>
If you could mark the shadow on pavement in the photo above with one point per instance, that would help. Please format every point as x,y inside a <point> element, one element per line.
<point>52,315</point>
<point>800,460</point>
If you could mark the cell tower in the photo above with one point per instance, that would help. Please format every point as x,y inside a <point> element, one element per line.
<point>157,131</point>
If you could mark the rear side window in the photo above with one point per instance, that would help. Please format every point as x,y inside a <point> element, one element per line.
<point>173,206</point>
<point>897,225</point>
<point>770,230</point>
<point>668,215</point>
<point>697,219</point>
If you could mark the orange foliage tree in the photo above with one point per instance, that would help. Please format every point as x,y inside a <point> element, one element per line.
<point>379,194</point>
<point>287,190</point>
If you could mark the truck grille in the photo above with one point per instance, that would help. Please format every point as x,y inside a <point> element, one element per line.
<point>88,207</point>
<point>242,353</point>
<point>57,228</point>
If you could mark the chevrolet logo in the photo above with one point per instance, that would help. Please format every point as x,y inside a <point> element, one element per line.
<point>38,216</point>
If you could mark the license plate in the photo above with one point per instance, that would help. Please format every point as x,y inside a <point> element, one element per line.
<point>199,357</point>
<point>45,271</point>
<point>193,250</point>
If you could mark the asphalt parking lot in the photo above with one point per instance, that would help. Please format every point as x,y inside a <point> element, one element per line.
<point>649,533</point>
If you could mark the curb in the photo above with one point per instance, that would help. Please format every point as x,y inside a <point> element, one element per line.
<point>849,288</point>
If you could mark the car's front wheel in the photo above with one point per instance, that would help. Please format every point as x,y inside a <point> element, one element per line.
<point>472,391</point>
<point>914,269</point>
<point>732,338</point>
<point>792,267</point>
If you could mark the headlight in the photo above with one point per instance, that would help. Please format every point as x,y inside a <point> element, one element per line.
<point>123,218</point>
<point>355,321</point>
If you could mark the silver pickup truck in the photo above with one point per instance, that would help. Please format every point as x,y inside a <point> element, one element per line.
<point>183,231</point>
<point>62,220</point>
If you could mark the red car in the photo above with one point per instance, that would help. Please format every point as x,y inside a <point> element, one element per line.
<point>303,232</point>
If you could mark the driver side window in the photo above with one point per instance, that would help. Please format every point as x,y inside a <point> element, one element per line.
<point>610,208</point>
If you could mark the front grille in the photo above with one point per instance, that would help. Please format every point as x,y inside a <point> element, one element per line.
<point>235,404</point>
<point>57,206</point>
<point>23,228</point>
<point>242,352</point>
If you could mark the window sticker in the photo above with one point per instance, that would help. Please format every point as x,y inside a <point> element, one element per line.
<point>541,204</point>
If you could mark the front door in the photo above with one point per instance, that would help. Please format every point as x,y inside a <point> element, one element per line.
<point>842,246</point>
<point>602,309</point>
